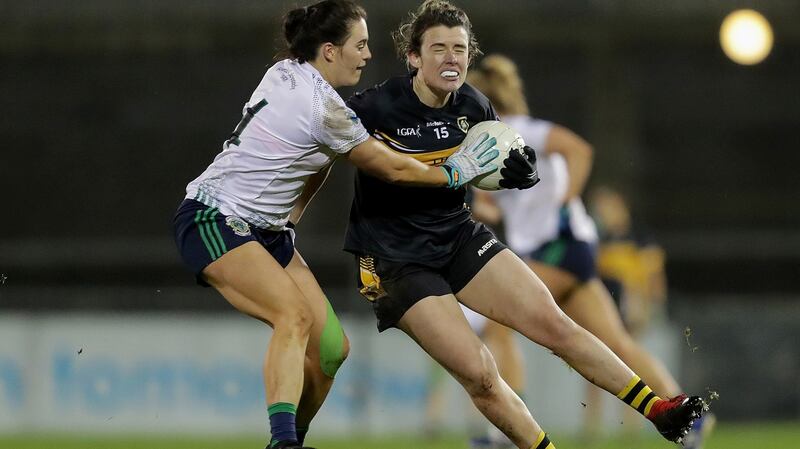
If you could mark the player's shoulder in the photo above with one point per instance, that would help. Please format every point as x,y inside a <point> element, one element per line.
<point>473,97</point>
<point>290,82</point>
<point>372,105</point>
<point>383,93</point>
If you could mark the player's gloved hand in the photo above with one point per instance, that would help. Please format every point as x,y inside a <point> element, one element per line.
<point>520,171</point>
<point>471,161</point>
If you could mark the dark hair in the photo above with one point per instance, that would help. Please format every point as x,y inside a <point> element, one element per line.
<point>408,37</point>
<point>305,29</point>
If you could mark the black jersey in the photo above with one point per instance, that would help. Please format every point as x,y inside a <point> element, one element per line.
<point>411,224</point>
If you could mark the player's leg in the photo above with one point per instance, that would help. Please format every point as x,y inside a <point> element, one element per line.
<point>592,307</point>
<point>507,354</point>
<point>552,266</point>
<point>510,364</point>
<point>495,337</point>
<point>559,280</point>
<point>327,345</point>
<point>246,266</point>
<point>437,324</point>
<point>521,301</point>
<point>256,284</point>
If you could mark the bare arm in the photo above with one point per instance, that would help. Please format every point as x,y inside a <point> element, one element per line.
<point>378,160</point>
<point>578,154</point>
<point>313,185</point>
<point>484,208</point>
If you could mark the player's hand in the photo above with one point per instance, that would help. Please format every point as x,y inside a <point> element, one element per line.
<point>520,170</point>
<point>471,161</point>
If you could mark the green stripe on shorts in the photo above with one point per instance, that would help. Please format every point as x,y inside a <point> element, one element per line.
<point>209,233</point>
<point>198,220</point>
<point>217,233</point>
<point>554,253</point>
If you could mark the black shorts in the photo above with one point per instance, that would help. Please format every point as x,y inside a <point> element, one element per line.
<point>203,234</point>
<point>394,287</point>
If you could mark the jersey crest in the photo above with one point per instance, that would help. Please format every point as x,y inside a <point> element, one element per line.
<point>463,124</point>
<point>238,226</point>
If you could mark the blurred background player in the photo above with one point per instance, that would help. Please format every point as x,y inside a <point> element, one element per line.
<point>629,262</point>
<point>420,253</point>
<point>234,227</point>
<point>549,228</point>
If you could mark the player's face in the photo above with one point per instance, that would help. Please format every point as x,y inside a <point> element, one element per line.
<point>443,58</point>
<point>352,55</point>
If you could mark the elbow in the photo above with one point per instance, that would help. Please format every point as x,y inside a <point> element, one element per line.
<point>399,177</point>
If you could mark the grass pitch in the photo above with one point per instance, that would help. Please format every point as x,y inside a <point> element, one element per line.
<point>727,436</point>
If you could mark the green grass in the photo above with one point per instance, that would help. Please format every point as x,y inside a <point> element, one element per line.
<point>727,436</point>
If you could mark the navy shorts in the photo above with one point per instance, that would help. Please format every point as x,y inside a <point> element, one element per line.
<point>394,287</point>
<point>203,234</point>
<point>576,257</point>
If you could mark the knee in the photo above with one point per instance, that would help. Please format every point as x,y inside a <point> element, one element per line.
<point>295,319</point>
<point>334,347</point>
<point>332,360</point>
<point>559,331</point>
<point>345,348</point>
<point>481,377</point>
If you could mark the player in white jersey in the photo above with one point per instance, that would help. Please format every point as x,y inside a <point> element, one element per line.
<point>234,227</point>
<point>549,228</point>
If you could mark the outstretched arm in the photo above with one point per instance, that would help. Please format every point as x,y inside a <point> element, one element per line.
<point>468,162</point>
<point>378,160</point>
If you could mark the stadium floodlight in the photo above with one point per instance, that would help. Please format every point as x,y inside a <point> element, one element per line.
<point>746,37</point>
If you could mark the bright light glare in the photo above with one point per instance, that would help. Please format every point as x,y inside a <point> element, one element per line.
<point>746,37</point>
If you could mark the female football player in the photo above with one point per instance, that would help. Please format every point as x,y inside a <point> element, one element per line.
<point>550,229</point>
<point>234,227</point>
<point>420,253</point>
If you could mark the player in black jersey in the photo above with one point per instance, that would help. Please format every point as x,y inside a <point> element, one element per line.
<point>420,253</point>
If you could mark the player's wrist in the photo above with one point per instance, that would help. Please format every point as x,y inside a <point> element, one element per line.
<point>453,175</point>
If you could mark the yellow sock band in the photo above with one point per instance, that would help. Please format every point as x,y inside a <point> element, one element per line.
<point>630,386</point>
<point>638,395</point>
<point>542,442</point>
<point>649,404</point>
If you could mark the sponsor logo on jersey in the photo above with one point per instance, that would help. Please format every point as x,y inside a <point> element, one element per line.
<point>408,132</point>
<point>463,124</point>
<point>288,76</point>
<point>238,226</point>
<point>436,123</point>
<point>486,246</point>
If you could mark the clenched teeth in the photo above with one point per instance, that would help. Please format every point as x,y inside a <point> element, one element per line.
<point>449,74</point>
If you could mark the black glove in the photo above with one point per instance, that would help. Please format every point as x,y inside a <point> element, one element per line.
<point>519,171</point>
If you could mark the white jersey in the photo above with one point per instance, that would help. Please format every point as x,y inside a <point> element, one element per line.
<point>294,125</point>
<point>534,216</point>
